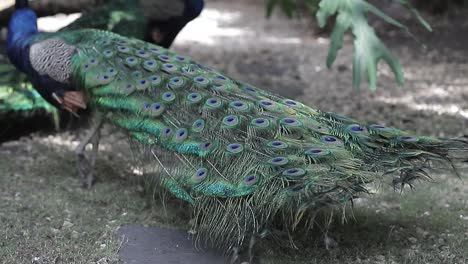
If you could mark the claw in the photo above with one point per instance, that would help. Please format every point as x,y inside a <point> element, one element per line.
<point>329,242</point>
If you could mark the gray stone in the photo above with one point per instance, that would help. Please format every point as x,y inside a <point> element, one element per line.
<point>148,245</point>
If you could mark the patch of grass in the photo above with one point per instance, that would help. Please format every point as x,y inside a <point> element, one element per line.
<point>46,216</point>
<point>426,225</point>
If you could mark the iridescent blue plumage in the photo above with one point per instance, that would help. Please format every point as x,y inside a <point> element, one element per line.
<point>21,29</point>
<point>22,32</point>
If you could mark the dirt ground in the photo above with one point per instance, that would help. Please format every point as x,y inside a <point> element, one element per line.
<point>46,217</point>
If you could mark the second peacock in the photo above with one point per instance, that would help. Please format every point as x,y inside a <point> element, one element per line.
<point>239,155</point>
<point>158,21</point>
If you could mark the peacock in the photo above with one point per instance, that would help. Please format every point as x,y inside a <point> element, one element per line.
<point>154,21</point>
<point>241,157</point>
<point>158,21</point>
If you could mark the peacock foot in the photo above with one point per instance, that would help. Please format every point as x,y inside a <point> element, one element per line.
<point>247,256</point>
<point>329,242</point>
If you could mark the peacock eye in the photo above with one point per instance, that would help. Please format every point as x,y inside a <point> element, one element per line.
<point>266,103</point>
<point>251,179</point>
<point>200,175</point>
<point>298,188</point>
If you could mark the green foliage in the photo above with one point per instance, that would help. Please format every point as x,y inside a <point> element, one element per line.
<point>351,15</point>
<point>17,95</point>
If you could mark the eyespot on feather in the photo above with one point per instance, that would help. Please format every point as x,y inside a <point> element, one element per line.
<point>408,139</point>
<point>157,109</point>
<point>198,125</point>
<point>251,180</point>
<point>331,140</point>
<point>176,82</point>
<point>155,81</point>
<point>316,152</point>
<point>168,97</point>
<point>200,175</point>
<point>180,135</point>
<point>150,65</point>
<point>142,53</point>
<point>194,98</point>
<point>169,68</point>
<point>142,84</point>
<point>294,173</point>
<point>239,106</point>
<point>278,161</point>
<point>290,122</point>
<point>131,61</point>
<point>277,144</point>
<point>260,122</point>
<point>356,129</point>
<point>230,121</point>
<point>234,148</point>
<point>201,81</point>
<point>213,103</point>
<point>166,132</point>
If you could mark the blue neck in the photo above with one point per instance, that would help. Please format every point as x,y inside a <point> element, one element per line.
<point>21,29</point>
<point>193,8</point>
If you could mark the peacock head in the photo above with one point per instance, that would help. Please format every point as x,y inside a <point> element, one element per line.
<point>193,8</point>
<point>22,25</point>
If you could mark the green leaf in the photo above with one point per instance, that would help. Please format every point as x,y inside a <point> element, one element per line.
<point>368,49</point>
<point>415,13</point>
<point>351,15</point>
<point>270,6</point>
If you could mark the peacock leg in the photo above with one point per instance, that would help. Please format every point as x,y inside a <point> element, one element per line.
<point>236,255</point>
<point>329,242</point>
<point>84,164</point>
<point>251,248</point>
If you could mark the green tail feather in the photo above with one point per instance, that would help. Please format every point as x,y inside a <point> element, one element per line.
<point>239,155</point>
